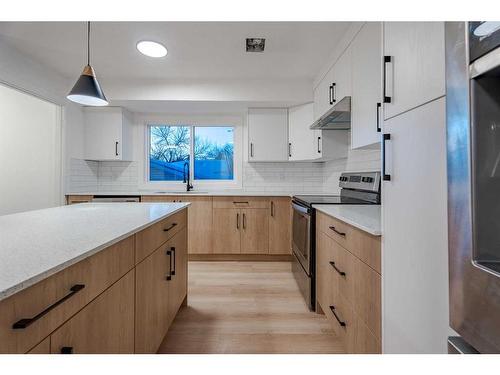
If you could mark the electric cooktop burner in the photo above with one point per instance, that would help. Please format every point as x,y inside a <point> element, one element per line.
<point>309,200</point>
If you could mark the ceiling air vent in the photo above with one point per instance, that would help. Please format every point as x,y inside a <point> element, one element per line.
<point>256,44</point>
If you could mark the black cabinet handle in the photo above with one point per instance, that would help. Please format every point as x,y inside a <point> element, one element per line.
<point>289,150</point>
<point>244,221</point>
<point>67,350</point>
<point>240,202</point>
<point>387,60</point>
<point>379,129</point>
<point>169,275</point>
<point>319,139</point>
<point>116,148</point>
<point>336,231</point>
<point>272,208</point>
<point>342,324</point>
<point>330,94</point>
<point>341,273</point>
<point>251,149</point>
<point>172,272</point>
<point>334,93</point>
<point>237,221</point>
<point>385,176</point>
<point>23,323</point>
<point>170,227</point>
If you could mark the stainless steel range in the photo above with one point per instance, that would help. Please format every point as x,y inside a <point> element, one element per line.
<point>356,188</point>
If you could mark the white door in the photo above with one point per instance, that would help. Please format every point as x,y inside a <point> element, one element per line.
<point>30,152</point>
<point>342,77</point>
<point>415,74</point>
<point>267,134</point>
<point>414,239</point>
<point>302,141</point>
<point>103,133</point>
<point>366,101</point>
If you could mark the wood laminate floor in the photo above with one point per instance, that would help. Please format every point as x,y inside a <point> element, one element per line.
<point>247,307</point>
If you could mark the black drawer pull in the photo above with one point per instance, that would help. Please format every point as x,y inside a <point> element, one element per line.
<point>172,249</point>
<point>23,323</point>
<point>387,60</point>
<point>341,273</point>
<point>342,324</point>
<point>240,202</point>
<point>169,276</point>
<point>385,137</point>
<point>336,231</point>
<point>379,129</point>
<point>170,227</point>
<point>67,350</point>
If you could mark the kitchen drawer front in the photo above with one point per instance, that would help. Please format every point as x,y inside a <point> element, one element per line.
<point>342,267</point>
<point>149,239</point>
<point>363,245</point>
<point>96,273</point>
<point>341,316</point>
<point>241,202</point>
<point>104,326</point>
<point>326,287</point>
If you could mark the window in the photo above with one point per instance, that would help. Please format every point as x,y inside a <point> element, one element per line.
<point>171,147</point>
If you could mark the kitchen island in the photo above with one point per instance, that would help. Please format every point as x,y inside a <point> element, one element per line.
<point>92,278</point>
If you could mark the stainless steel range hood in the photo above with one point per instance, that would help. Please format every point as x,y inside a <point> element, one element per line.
<point>337,118</point>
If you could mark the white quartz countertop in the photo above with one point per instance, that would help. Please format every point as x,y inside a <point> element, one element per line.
<point>194,193</point>
<point>36,244</point>
<point>364,217</point>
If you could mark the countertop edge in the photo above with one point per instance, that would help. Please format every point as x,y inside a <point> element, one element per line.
<point>376,233</point>
<point>6,293</point>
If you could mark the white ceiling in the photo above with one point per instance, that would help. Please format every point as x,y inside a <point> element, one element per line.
<point>196,50</point>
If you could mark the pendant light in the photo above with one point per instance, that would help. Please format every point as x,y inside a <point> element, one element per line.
<point>87,90</point>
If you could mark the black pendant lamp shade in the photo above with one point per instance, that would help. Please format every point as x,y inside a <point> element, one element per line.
<point>87,90</point>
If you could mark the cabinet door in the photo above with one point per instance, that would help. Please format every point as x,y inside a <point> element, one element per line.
<point>415,255</point>
<point>103,133</point>
<point>416,74</point>
<point>255,231</point>
<point>280,225</point>
<point>268,134</point>
<point>178,282</point>
<point>366,102</point>
<point>105,325</point>
<point>226,232</point>
<point>151,299</point>
<point>322,95</point>
<point>342,77</point>
<point>199,225</point>
<point>302,143</point>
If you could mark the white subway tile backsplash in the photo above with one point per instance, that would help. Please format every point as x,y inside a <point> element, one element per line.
<point>306,178</point>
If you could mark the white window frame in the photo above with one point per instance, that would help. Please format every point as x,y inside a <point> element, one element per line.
<point>194,121</point>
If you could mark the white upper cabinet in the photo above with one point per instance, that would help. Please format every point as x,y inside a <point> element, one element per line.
<point>334,86</point>
<point>366,50</point>
<point>108,134</point>
<point>267,134</point>
<point>301,139</point>
<point>415,72</point>
<point>341,78</point>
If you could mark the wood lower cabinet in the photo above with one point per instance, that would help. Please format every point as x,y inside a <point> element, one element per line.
<point>255,231</point>
<point>74,199</point>
<point>161,287</point>
<point>280,226</point>
<point>348,288</point>
<point>200,228</point>
<point>226,236</point>
<point>106,325</point>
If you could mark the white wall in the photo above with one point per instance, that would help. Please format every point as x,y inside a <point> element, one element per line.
<point>30,152</point>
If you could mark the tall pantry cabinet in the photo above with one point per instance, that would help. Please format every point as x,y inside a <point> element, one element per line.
<point>414,199</point>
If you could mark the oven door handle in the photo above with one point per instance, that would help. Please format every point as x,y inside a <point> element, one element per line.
<point>299,208</point>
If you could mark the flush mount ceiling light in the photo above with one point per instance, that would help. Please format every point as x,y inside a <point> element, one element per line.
<point>151,49</point>
<point>87,90</point>
<point>486,28</point>
<point>255,44</point>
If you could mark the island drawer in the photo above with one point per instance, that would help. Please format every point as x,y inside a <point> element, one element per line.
<point>149,239</point>
<point>241,202</point>
<point>29,316</point>
<point>363,245</point>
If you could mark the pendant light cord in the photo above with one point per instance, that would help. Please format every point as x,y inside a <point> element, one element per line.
<point>88,42</point>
